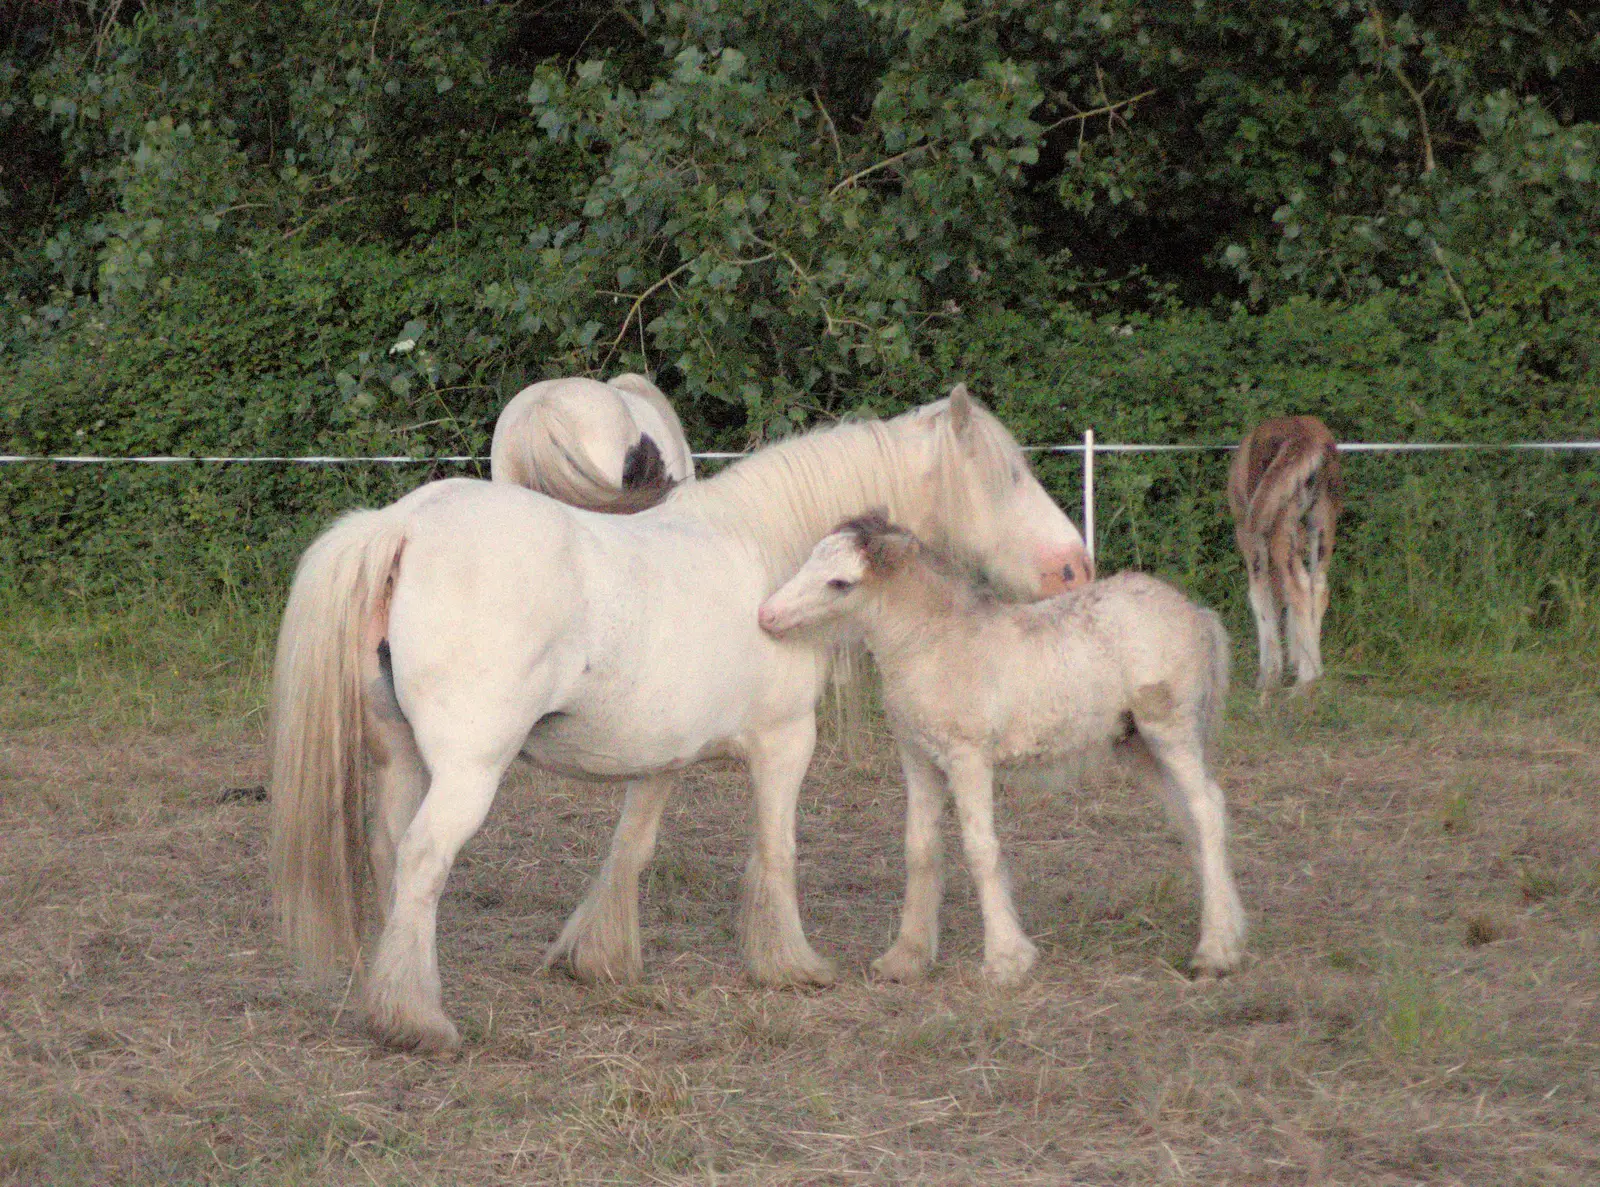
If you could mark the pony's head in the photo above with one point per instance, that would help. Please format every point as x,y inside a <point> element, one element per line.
<point>984,505</point>
<point>837,580</point>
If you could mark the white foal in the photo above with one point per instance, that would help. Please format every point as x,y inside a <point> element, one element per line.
<point>426,645</point>
<point>970,682</point>
<point>612,446</point>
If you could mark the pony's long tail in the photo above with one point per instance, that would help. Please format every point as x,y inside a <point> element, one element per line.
<point>316,748</point>
<point>1215,701</point>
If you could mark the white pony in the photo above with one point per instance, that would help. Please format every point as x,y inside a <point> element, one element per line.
<point>970,682</point>
<point>469,622</point>
<point>613,446</point>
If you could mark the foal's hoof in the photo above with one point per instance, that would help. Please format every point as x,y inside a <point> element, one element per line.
<point>903,962</point>
<point>1011,968</point>
<point>1214,968</point>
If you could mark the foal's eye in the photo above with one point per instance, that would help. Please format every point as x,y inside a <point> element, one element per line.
<point>840,584</point>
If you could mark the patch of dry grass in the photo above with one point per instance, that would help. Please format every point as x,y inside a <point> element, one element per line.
<point>1422,874</point>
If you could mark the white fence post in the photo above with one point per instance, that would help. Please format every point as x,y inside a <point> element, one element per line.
<point>1088,492</point>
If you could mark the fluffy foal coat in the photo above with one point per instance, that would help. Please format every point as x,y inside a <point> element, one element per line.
<point>1285,491</point>
<point>970,683</point>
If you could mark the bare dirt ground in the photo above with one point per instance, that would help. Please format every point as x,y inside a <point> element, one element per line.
<point>1423,1004</point>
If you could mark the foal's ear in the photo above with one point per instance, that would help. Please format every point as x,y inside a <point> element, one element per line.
<point>886,551</point>
<point>960,408</point>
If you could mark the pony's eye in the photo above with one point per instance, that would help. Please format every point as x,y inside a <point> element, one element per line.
<point>840,584</point>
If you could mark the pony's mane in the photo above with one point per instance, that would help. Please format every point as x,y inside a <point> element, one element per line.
<point>786,497</point>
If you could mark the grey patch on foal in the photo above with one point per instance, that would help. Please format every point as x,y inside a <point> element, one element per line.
<point>1152,702</point>
<point>643,466</point>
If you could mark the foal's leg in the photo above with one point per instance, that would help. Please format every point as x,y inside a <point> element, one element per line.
<point>773,943</point>
<point>601,939</point>
<point>1319,554</point>
<point>1008,954</point>
<point>1258,566</point>
<point>1177,747</point>
<point>1301,596</point>
<point>918,943</point>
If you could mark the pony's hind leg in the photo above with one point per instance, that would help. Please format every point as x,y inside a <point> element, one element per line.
<point>400,780</point>
<point>399,776</point>
<point>600,941</point>
<point>402,988</point>
<point>918,942</point>
<point>1008,954</point>
<point>773,943</point>
<point>1176,746</point>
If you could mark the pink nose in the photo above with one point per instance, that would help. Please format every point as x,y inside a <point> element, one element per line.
<point>766,618</point>
<point>1065,571</point>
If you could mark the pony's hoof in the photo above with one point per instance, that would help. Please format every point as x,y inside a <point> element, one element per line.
<point>903,962</point>
<point>815,971</point>
<point>434,1036</point>
<point>1010,968</point>
<point>587,964</point>
<point>810,969</point>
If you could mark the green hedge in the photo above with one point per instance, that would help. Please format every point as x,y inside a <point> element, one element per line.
<point>1483,551</point>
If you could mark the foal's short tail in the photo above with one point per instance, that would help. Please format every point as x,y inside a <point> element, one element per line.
<point>318,850</point>
<point>1214,698</point>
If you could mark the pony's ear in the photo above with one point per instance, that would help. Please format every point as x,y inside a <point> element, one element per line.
<point>960,408</point>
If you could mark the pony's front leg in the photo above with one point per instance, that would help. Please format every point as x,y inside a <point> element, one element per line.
<point>918,942</point>
<point>771,939</point>
<point>601,940</point>
<point>402,988</point>
<point>1008,954</point>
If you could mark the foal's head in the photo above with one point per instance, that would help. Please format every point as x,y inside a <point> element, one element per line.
<point>839,577</point>
<point>985,506</point>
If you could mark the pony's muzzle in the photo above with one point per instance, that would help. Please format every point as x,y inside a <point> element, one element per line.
<point>1066,571</point>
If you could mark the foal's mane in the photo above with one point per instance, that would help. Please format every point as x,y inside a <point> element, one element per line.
<point>894,553</point>
<point>786,497</point>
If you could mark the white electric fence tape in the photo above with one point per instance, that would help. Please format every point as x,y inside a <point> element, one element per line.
<point>1088,449</point>
<point>463,459</point>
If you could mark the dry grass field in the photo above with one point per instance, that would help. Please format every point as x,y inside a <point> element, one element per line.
<point>1420,858</point>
